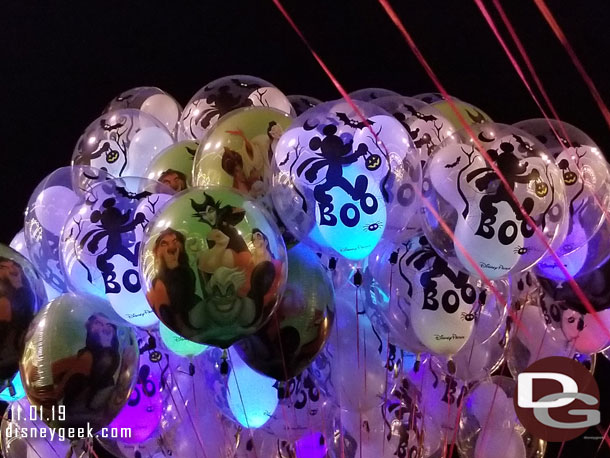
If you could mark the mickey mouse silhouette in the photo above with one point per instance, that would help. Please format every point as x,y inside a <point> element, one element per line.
<point>515,171</point>
<point>334,154</point>
<point>112,223</point>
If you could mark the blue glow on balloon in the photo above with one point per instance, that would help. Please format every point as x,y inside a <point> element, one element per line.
<point>252,397</point>
<point>19,392</point>
<point>311,446</point>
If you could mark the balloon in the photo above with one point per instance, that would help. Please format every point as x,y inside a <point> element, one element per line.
<point>178,344</point>
<point>143,411</point>
<point>533,339</point>
<point>22,294</point>
<point>371,93</point>
<point>214,266</point>
<point>151,100</point>
<point>243,395</point>
<point>17,422</point>
<point>18,244</point>
<point>302,103</point>
<point>101,240</point>
<point>122,142</point>
<point>45,216</point>
<point>223,95</point>
<point>490,402</point>
<point>390,430</point>
<point>477,207</point>
<point>471,114</point>
<point>440,395</point>
<point>488,440</point>
<point>81,359</point>
<point>431,97</point>
<point>426,125</point>
<point>237,152</point>
<point>356,366</point>
<point>302,409</point>
<point>586,176</point>
<point>14,391</point>
<point>174,165</point>
<point>299,328</point>
<point>336,187</point>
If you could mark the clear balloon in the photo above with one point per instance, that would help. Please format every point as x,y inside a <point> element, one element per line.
<point>371,93</point>
<point>586,176</point>
<point>14,391</point>
<point>101,241</point>
<point>18,244</point>
<point>478,208</point>
<point>238,151</point>
<point>297,331</point>
<point>469,113</point>
<point>22,295</point>
<point>226,94</point>
<point>81,359</point>
<point>302,103</point>
<point>340,187</point>
<point>214,266</point>
<point>122,142</point>
<point>151,100</point>
<point>45,215</point>
<point>174,165</point>
<point>242,394</point>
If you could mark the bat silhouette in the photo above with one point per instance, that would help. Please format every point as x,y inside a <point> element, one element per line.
<point>132,195</point>
<point>453,164</point>
<point>346,120</point>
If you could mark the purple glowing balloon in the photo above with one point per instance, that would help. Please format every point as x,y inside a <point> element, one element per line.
<point>142,413</point>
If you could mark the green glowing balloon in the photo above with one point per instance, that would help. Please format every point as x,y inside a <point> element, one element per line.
<point>178,344</point>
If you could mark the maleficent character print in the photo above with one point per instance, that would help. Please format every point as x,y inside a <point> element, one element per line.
<point>214,266</point>
<point>340,181</point>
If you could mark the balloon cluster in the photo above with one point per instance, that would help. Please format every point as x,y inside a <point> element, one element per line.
<point>267,275</point>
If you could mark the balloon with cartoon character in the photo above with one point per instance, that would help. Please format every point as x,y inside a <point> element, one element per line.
<point>214,266</point>
<point>46,213</point>
<point>586,177</point>
<point>477,206</point>
<point>151,100</point>
<point>100,242</point>
<point>81,359</point>
<point>174,165</point>
<point>470,114</point>
<point>237,152</point>
<point>226,94</point>
<point>300,326</point>
<point>340,183</point>
<point>22,294</point>
<point>122,142</point>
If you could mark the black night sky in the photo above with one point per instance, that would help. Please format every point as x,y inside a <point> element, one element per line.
<point>63,61</point>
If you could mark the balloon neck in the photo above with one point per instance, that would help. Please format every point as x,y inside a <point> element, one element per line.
<point>417,364</point>
<point>192,368</point>
<point>451,366</point>
<point>358,278</point>
<point>224,364</point>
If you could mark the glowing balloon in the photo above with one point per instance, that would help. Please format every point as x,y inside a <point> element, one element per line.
<point>178,344</point>
<point>477,207</point>
<point>340,186</point>
<point>14,391</point>
<point>174,166</point>
<point>471,114</point>
<point>122,142</point>
<point>101,240</point>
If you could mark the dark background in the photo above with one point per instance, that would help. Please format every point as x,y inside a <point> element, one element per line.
<point>61,62</point>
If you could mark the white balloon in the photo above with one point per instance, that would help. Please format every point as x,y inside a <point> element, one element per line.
<point>492,441</point>
<point>52,207</point>
<point>144,147</point>
<point>164,108</point>
<point>490,405</point>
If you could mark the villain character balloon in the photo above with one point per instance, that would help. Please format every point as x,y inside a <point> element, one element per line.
<point>214,266</point>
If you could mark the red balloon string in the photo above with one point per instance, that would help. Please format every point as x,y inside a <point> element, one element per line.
<point>536,79</point>
<point>550,19</point>
<point>575,287</point>
<point>605,440</point>
<point>428,205</point>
